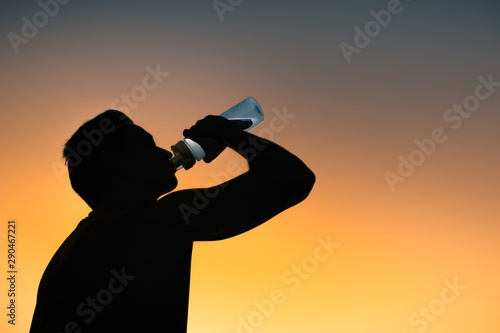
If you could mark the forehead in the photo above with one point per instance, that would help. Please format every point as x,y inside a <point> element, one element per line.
<point>131,133</point>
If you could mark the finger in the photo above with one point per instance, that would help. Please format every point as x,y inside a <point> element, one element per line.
<point>242,124</point>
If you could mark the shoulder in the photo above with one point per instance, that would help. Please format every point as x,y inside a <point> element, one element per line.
<point>166,213</point>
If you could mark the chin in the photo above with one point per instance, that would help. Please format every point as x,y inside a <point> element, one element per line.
<point>169,186</point>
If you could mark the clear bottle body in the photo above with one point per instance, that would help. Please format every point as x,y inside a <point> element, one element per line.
<point>187,151</point>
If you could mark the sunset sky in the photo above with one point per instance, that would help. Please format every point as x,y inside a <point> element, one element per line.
<point>395,106</point>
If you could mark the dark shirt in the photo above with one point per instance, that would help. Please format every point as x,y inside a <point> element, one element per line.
<point>117,272</point>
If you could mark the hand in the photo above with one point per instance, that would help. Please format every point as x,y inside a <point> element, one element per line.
<point>213,133</point>
<point>212,148</point>
<point>216,127</point>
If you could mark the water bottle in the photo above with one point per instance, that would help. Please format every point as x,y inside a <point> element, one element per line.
<point>248,113</point>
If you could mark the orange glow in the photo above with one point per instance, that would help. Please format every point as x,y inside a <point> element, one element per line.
<point>348,122</point>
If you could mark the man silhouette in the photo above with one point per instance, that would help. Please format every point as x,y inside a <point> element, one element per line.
<point>126,267</point>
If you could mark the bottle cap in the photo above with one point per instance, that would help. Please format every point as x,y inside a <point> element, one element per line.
<point>182,156</point>
<point>176,161</point>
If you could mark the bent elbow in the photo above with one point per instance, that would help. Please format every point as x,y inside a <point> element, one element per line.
<point>307,182</point>
<point>301,185</point>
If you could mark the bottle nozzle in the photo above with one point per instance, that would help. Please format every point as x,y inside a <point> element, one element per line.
<point>176,161</point>
<point>182,156</point>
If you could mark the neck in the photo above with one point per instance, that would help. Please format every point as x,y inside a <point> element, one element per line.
<point>123,194</point>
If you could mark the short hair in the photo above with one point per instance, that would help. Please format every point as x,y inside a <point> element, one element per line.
<point>81,151</point>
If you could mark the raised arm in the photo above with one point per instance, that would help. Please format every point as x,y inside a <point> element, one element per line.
<point>275,181</point>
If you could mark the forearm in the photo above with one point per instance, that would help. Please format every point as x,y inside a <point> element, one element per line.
<point>271,164</point>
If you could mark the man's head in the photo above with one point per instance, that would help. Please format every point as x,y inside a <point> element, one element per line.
<point>109,156</point>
